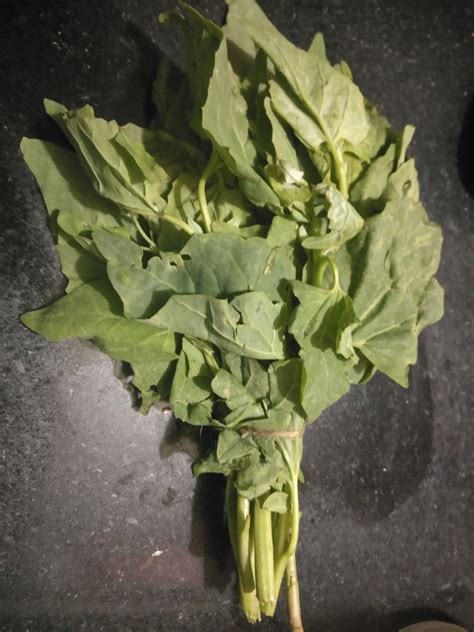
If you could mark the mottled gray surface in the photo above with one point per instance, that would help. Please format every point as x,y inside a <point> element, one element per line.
<point>91,489</point>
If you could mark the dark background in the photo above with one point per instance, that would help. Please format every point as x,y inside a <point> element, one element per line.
<point>91,489</point>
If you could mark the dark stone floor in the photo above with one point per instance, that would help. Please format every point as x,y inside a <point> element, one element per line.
<point>90,489</point>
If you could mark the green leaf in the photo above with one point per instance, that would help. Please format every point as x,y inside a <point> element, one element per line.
<point>224,265</point>
<point>192,386</point>
<point>78,265</point>
<point>245,413</point>
<point>376,137</point>
<point>368,192</point>
<point>232,447</point>
<point>241,47</point>
<point>320,103</point>
<point>173,155</point>
<point>404,183</point>
<point>116,250</point>
<point>225,122</point>
<point>211,264</point>
<point>230,388</point>
<point>230,206</point>
<point>93,311</point>
<point>65,186</point>
<point>361,371</point>
<point>310,76</point>
<point>290,109</point>
<point>317,324</point>
<point>115,171</point>
<point>262,324</point>
<point>318,47</point>
<point>207,463</point>
<point>404,139</point>
<point>285,384</point>
<point>171,101</point>
<point>320,315</point>
<point>431,305</point>
<point>324,380</point>
<point>344,222</point>
<point>282,232</point>
<point>289,184</point>
<point>250,325</point>
<point>153,380</point>
<point>276,501</point>
<point>282,146</point>
<point>258,477</point>
<point>232,362</point>
<point>255,379</point>
<point>395,258</point>
<point>201,40</point>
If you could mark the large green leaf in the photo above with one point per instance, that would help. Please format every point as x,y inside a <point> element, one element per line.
<point>318,322</point>
<point>65,186</point>
<point>93,311</point>
<point>322,104</point>
<point>67,193</point>
<point>394,259</point>
<point>242,50</point>
<point>324,380</point>
<point>250,325</point>
<point>173,156</point>
<point>225,122</point>
<point>78,264</point>
<point>212,264</point>
<point>116,170</point>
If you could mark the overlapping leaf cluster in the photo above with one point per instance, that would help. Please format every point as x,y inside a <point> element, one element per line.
<point>254,252</point>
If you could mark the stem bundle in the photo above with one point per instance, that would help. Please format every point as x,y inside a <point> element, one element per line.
<point>264,542</point>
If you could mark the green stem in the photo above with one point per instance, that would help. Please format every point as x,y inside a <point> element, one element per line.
<point>264,569</point>
<point>339,166</point>
<point>293,596</point>
<point>250,604</point>
<point>293,533</point>
<point>320,266</point>
<point>321,269</point>
<point>248,598</point>
<point>244,547</point>
<point>201,191</point>
<point>177,222</point>
<point>335,273</point>
<point>281,533</point>
<point>336,154</point>
<point>291,451</point>
<point>148,240</point>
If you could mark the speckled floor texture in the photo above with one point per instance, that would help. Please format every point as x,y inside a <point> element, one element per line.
<point>91,491</point>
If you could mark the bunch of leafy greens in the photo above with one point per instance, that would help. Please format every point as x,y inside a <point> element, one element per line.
<point>254,252</point>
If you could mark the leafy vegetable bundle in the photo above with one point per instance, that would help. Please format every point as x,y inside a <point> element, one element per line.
<point>254,252</point>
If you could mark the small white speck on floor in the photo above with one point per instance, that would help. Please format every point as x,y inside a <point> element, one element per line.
<point>157,553</point>
<point>133,521</point>
<point>19,366</point>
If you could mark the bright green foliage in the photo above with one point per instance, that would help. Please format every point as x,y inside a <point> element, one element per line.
<point>254,252</point>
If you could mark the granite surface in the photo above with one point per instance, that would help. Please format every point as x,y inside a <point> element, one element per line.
<point>92,492</point>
